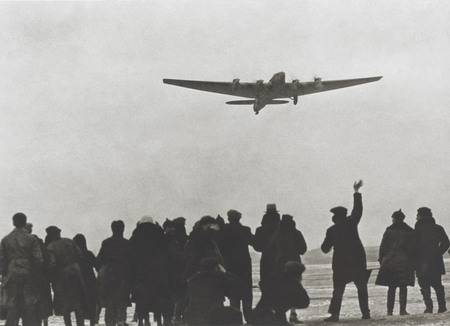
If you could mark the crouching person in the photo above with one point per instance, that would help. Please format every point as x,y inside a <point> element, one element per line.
<point>280,293</point>
<point>206,292</point>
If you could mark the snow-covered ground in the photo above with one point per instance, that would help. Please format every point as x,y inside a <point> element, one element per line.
<point>317,281</point>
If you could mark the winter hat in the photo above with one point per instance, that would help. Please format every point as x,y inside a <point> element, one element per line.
<point>146,219</point>
<point>168,224</point>
<point>206,220</point>
<point>425,212</point>
<point>339,210</point>
<point>271,208</point>
<point>52,230</point>
<point>398,215</point>
<point>208,264</point>
<point>234,215</point>
<point>179,221</point>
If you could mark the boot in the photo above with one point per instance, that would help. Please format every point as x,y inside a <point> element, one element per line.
<point>403,300</point>
<point>440,295</point>
<point>366,316</point>
<point>390,300</point>
<point>332,318</point>
<point>426,293</point>
<point>293,318</point>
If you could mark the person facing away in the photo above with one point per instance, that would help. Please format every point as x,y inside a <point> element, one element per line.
<point>114,262</point>
<point>179,224</point>
<point>396,256</point>
<point>42,279</point>
<point>432,243</point>
<point>349,257</point>
<point>269,224</point>
<point>201,244</point>
<point>67,283</point>
<point>279,293</point>
<point>150,289</point>
<point>87,265</point>
<point>206,291</point>
<point>20,260</point>
<point>233,241</point>
<point>288,244</point>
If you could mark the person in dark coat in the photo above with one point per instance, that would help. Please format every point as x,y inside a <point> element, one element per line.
<point>174,267</point>
<point>201,244</point>
<point>233,241</point>
<point>263,234</point>
<point>432,243</point>
<point>20,260</point>
<point>87,265</point>
<point>179,224</point>
<point>206,291</point>
<point>44,304</point>
<point>349,257</point>
<point>150,289</point>
<point>114,262</point>
<point>396,261</point>
<point>67,283</point>
<point>279,293</point>
<point>288,244</point>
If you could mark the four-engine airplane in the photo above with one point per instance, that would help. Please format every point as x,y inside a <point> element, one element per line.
<point>263,94</point>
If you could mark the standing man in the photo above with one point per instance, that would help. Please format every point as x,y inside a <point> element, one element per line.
<point>233,241</point>
<point>349,257</point>
<point>20,260</point>
<point>114,275</point>
<point>432,243</point>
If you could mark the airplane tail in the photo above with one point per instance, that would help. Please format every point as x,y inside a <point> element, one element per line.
<point>251,102</point>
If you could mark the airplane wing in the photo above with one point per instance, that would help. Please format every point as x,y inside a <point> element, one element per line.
<point>236,89</point>
<point>318,85</point>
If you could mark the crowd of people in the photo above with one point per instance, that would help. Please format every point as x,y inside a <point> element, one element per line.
<point>184,279</point>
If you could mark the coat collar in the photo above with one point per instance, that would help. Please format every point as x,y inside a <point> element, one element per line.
<point>400,226</point>
<point>426,221</point>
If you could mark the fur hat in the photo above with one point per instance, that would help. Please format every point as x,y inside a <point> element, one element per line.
<point>206,220</point>
<point>51,230</point>
<point>168,224</point>
<point>179,221</point>
<point>146,219</point>
<point>234,215</point>
<point>398,215</point>
<point>271,208</point>
<point>339,210</point>
<point>424,212</point>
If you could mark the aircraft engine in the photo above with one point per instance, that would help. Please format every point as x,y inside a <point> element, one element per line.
<point>317,82</point>
<point>259,84</point>
<point>235,84</point>
<point>296,84</point>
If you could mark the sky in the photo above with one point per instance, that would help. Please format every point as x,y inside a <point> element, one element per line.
<point>90,134</point>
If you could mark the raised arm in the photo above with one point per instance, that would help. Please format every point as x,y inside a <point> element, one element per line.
<point>357,203</point>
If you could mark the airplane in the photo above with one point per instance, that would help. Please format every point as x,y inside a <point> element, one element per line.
<point>263,94</point>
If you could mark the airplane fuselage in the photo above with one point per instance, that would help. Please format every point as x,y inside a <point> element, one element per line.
<point>269,91</point>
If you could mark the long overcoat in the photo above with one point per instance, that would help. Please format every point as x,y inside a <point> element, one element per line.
<point>87,265</point>
<point>150,285</point>
<point>67,283</point>
<point>396,256</point>
<point>20,259</point>
<point>233,241</point>
<point>288,244</point>
<point>432,243</point>
<point>174,266</point>
<point>201,244</point>
<point>349,257</point>
<point>206,292</point>
<point>263,234</point>
<point>114,263</point>
<point>45,304</point>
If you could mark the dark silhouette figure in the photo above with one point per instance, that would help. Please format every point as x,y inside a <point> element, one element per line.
<point>288,244</point>
<point>263,234</point>
<point>432,243</point>
<point>20,260</point>
<point>67,283</point>
<point>396,261</point>
<point>279,293</point>
<point>179,224</point>
<point>349,257</point>
<point>233,240</point>
<point>174,267</point>
<point>207,290</point>
<point>150,289</point>
<point>87,265</point>
<point>114,275</point>
<point>42,281</point>
<point>201,244</point>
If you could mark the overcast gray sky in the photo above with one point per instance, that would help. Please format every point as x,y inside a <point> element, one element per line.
<point>89,133</point>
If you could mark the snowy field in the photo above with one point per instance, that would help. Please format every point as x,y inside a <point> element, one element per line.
<point>318,283</point>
